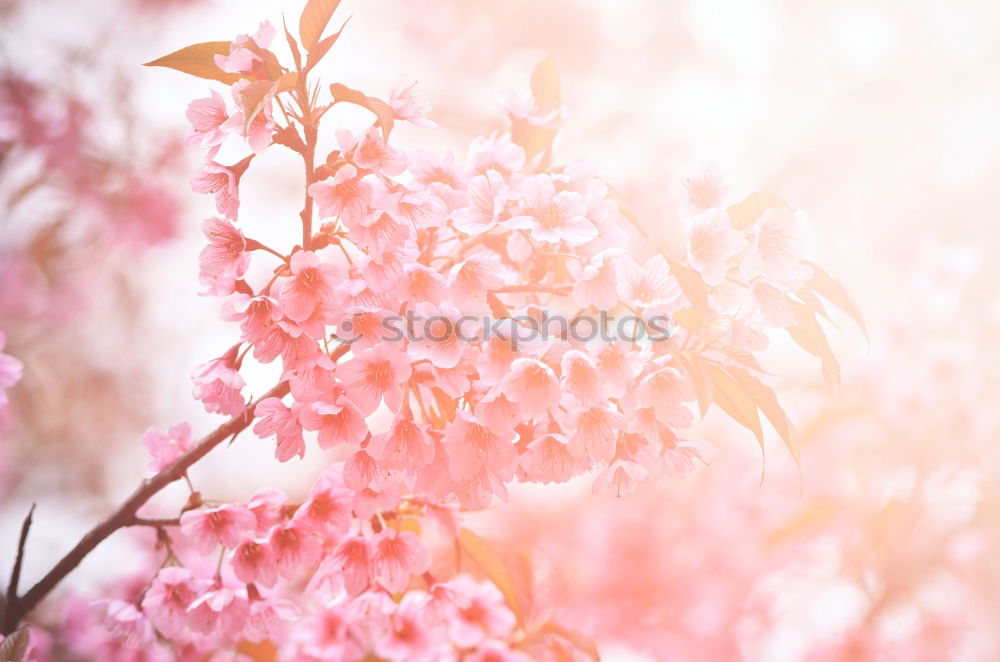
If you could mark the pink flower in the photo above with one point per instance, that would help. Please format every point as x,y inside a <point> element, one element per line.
<point>372,152</point>
<point>166,601</point>
<point>127,624</point>
<point>440,336</point>
<point>221,612</point>
<point>471,446</point>
<point>703,189</point>
<point>277,419</point>
<point>165,448</point>
<point>295,547</point>
<point>354,557</point>
<point>472,279</point>
<point>221,181</point>
<point>580,377</point>
<point>496,153</point>
<point>553,217</point>
<point>253,562</point>
<point>207,117</point>
<point>397,557</point>
<point>648,286</point>
<point>496,651</point>
<point>261,129</point>
<point>256,314</point>
<point>328,509</point>
<point>405,446</point>
<point>711,243</point>
<point>10,371</point>
<point>269,619</point>
<point>344,195</point>
<point>217,384</point>
<point>618,365</point>
<point>665,391</point>
<point>376,374</point>
<point>480,613</point>
<point>224,259</point>
<point>209,527</point>
<point>532,386</point>
<point>311,284</point>
<point>409,636</point>
<point>410,105</point>
<point>340,422</point>
<point>548,459</point>
<point>488,197</point>
<point>266,505</point>
<point>593,433</point>
<point>596,281</point>
<point>779,244</point>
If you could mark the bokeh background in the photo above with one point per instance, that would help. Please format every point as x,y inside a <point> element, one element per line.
<point>876,118</point>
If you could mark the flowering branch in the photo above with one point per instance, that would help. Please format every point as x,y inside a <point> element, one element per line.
<point>125,515</point>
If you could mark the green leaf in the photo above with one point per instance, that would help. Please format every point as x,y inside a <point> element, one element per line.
<point>483,554</point>
<point>315,16</point>
<point>198,60</point>
<point>15,647</point>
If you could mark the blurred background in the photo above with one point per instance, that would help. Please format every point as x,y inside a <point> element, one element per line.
<point>876,118</point>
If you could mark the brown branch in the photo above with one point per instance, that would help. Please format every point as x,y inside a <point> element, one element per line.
<point>15,574</point>
<point>18,607</point>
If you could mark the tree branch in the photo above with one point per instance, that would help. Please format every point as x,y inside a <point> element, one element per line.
<point>18,607</point>
<point>15,574</point>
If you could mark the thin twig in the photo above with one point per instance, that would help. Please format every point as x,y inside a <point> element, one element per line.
<point>15,574</point>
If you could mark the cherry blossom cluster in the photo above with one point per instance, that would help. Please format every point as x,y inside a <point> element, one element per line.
<point>421,429</point>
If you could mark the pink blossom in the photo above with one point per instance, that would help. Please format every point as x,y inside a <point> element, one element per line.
<point>409,636</point>
<point>469,281</point>
<point>261,129</point>
<point>354,557</point>
<point>496,153</point>
<point>222,182</point>
<point>269,619</point>
<point>256,314</point>
<point>209,527</point>
<point>224,259</point>
<point>779,244</point>
<point>580,377</point>
<point>126,623</point>
<point>550,216</point>
<point>327,510</point>
<point>221,612</point>
<point>496,651</point>
<point>488,198</point>
<point>311,284</point>
<point>480,613</point>
<point>277,419</point>
<point>372,153</point>
<point>711,243</point>
<point>410,105</point>
<point>471,446</point>
<point>295,547</point>
<point>375,374</point>
<point>165,448</point>
<point>405,446</point>
<point>10,371</point>
<point>339,422</point>
<point>207,117</point>
<point>593,433</point>
<point>166,601</point>
<point>254,562</point>
<point>702,189</point>
<point>361,470</point>
<point>650,286</point>
<point>595,283</point>
<point>397,557</point>
<point>441,335</point>
<point>548,459</point>
<point>266,505</point>
<point>217,384</point>
<point>344,195</point>
<point>665,391</point>
<point>532,386</point>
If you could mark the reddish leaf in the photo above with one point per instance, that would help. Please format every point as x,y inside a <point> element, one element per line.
<point>483,554</point>
<point>691,284</point>
<point>316,53</point>
<point>381,109</point>
<point>292,45</point>
<point>746,212</point>
<point>768,403</point>
<point>833,291</point>
<point>315,16</point>
<point>579,640</point>
<point>253,98</point>
<point>735,401</point>
<point>810,336</point>
<point>703,385</point>
<point>198,60</point>
<point>545,84</point>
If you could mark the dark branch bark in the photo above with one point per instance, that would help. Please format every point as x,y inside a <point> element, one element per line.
<point>18,607</point>
<point>15,574</point>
